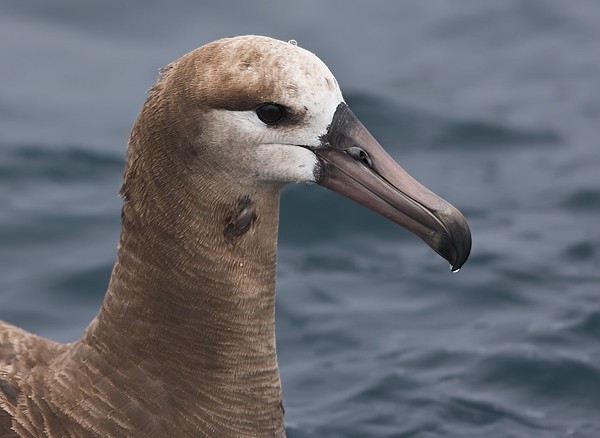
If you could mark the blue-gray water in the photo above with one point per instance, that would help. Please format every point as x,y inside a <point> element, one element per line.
<point>493,105</point>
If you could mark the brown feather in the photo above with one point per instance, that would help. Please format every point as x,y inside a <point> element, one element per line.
<point>184,341</point>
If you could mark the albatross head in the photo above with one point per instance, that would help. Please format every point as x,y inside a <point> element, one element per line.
<point>259,111</point>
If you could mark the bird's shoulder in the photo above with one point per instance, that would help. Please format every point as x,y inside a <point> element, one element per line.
<point>23,355</point>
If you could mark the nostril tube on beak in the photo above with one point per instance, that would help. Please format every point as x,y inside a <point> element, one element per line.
<point>360,155</point>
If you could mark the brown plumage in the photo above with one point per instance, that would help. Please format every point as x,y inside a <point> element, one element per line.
<point>185,336</point>
<point>184,342</point>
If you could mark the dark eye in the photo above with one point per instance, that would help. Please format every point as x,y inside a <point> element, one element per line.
<point>270,113</point>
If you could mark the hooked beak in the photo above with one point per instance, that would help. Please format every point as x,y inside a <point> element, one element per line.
<point>354,164</point>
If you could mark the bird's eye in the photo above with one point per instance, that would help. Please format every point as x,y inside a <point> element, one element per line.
<point>270,113</point>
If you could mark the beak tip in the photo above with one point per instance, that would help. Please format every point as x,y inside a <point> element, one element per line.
<point>462,248</point>
<point>455,267</point>
<point>455,244</point>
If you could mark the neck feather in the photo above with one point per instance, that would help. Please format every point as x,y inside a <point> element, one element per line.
<point>190,306</point>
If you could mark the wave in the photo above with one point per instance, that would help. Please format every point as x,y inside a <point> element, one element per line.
<point>408,126</point>
<point>56,163</point>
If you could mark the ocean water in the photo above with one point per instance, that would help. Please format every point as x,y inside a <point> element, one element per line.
<point>495,106</point>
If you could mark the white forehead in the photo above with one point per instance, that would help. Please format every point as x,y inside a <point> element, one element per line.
<point>240,73</point>
<point>318,91</point>
<point>304,84</point>
<point>304,75</point>
<point>243,72</point>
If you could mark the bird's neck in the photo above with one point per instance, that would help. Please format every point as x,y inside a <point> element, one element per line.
<point>191,302</point>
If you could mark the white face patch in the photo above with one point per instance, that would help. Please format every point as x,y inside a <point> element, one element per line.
<point>285,163</point>
<point>265,153</point>
<point>278,153</point>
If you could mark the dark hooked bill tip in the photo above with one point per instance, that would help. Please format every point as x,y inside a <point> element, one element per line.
<point>457,237</point>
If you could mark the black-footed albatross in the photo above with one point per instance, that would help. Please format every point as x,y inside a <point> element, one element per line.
<point>184,342</point>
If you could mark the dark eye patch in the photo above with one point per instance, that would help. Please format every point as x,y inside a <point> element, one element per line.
<point>271,113</point>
